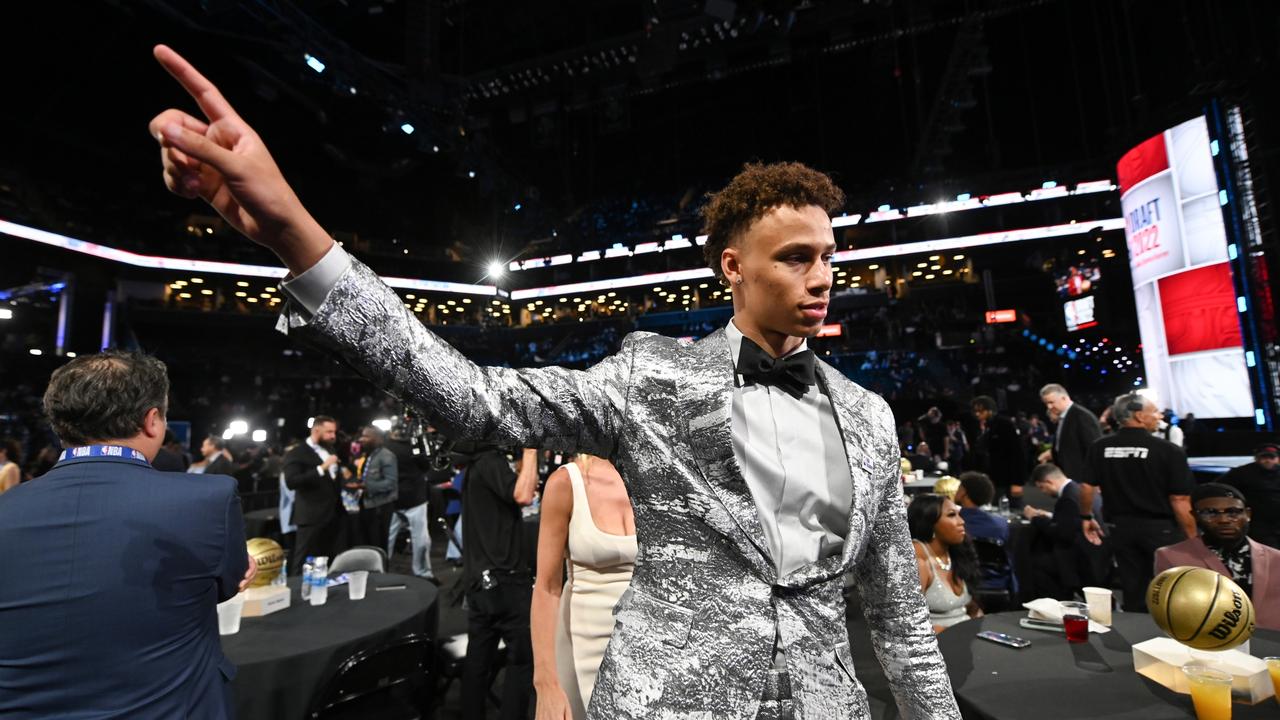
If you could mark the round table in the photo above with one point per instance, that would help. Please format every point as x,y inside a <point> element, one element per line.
<point>283,659</point>
<point>1056,680</point>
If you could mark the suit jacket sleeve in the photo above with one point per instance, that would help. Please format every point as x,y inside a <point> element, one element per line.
<point>235,557</point>
<point>366,323</point>
<point>889,584</point>
<point>1088,430</point>
<point>300,465</point>
<point>1064,526</point>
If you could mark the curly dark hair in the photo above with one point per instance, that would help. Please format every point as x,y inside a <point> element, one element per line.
<point>755,191</point>
<point>922,514</point>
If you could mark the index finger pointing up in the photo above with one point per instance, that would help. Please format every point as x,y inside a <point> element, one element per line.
<point>211,102</point>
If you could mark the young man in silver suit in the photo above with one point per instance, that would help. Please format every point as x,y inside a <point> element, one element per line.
<point>759,475</point>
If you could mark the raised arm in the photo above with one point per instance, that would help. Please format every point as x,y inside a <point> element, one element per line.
<point>894,605</point>
<point>223,161</point>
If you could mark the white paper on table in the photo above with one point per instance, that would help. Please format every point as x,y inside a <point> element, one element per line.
<point>1050,610</point>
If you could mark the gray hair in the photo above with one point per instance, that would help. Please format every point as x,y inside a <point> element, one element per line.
<point>1052,388</point>
<point>1126,406</point>
<point>105,396</point>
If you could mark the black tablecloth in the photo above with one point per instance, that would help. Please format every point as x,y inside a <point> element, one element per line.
<point>262,523</point>
<point>1056,680</point>
<point>284,658</point>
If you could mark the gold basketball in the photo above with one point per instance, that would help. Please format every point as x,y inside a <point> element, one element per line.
<point>1200,608</point>
<point>269,556</point>
<point>947,486</point>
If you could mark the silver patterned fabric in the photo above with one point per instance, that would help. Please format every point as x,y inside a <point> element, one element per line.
<point>695,632</point>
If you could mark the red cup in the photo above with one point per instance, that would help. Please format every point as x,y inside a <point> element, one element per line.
<point>1077,627</point>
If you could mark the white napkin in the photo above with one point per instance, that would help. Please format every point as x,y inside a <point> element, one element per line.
<point>1050,610</point>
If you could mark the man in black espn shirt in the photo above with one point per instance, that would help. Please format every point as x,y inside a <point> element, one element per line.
<point>1146,492</point>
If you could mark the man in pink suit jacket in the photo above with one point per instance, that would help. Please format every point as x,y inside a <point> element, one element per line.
<point>1224,546</point>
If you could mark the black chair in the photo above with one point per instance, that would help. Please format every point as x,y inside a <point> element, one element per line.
<point>385,682</point>
<point>451,658</point>
<point>995,588</point>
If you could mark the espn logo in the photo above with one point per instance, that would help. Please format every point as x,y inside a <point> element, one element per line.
<point>1125,452</point>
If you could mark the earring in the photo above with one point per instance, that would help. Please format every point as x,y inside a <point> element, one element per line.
<point>738,281</point>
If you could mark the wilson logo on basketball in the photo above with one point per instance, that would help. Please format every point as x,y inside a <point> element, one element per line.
<point>1230,619</point>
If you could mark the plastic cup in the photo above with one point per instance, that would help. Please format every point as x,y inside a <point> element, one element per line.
<point>1099,602</point>
<point>1210,691</point>
<point>357,583</point>
<point>229,615</point>
<point>1075,620</point>
<point>1273,667</point>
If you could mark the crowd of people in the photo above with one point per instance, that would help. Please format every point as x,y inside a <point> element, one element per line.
<point>1117,503</point>
<point>715,505</point>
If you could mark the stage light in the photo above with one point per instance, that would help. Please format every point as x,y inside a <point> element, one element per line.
<point>435,148</point>
<point>471,174</point>
<point>310,421</point>
<point>70,354</point>
<point>383,424</point>
<point>36,351</point>
<point>517,207</point>
<point>407,128</point>
<point>1048,185</point>
<point>259,436</point>
<point>227,434</point>
<point>496,269</point>
<point>238,427</point>
<point>314,62</point>
<point>6,314</point>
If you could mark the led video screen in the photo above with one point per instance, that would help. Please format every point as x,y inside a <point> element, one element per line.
<point>1187,317</point>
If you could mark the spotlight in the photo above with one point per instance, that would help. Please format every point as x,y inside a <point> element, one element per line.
<point>238,427</point>
<point>496,269</point>
<point>407,129</point>
<point>259,436</point>
<point>314,62</point>
<point>383,424</point>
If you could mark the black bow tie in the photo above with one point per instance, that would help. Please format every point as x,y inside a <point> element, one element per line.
<point>792,374</point>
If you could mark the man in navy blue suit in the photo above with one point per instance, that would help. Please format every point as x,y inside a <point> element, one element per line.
<point>111,570</point>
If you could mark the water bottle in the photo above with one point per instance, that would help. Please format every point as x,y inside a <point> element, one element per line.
<point>283,576</point>
<point>1004,505</point>
<point>308,568</point>
<point>320,581</point>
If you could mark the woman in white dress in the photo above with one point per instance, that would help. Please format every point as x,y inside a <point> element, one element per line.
<point>587,520</point>
<point>945,557</point>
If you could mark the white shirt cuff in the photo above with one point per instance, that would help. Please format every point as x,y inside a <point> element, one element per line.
<point>312,287</point>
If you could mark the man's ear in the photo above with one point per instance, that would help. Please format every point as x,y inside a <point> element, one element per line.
<point>153,423</point>
<point>730,264</point>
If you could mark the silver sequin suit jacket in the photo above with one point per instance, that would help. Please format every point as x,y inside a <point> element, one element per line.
<point>695,635</point>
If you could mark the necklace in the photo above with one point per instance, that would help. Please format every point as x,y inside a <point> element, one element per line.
<point>944,567</point>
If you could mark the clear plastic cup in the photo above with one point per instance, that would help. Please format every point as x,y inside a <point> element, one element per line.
<point>357,583</point>
<point>1099,602</point>
<point>1210,691</point>
<point>1273,667</point>
<point>1075,620</point>
<point>229,615</point>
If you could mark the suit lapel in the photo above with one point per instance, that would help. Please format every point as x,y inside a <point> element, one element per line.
<point>706,398</point>
<point>852,423</point>
<point>1211,559</point>
<point>1261,561</point>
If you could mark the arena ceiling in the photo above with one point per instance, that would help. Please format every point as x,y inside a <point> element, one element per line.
<point>554,104</point>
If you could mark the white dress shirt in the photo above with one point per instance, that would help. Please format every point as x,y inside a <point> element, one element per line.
<point>793,460</point>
